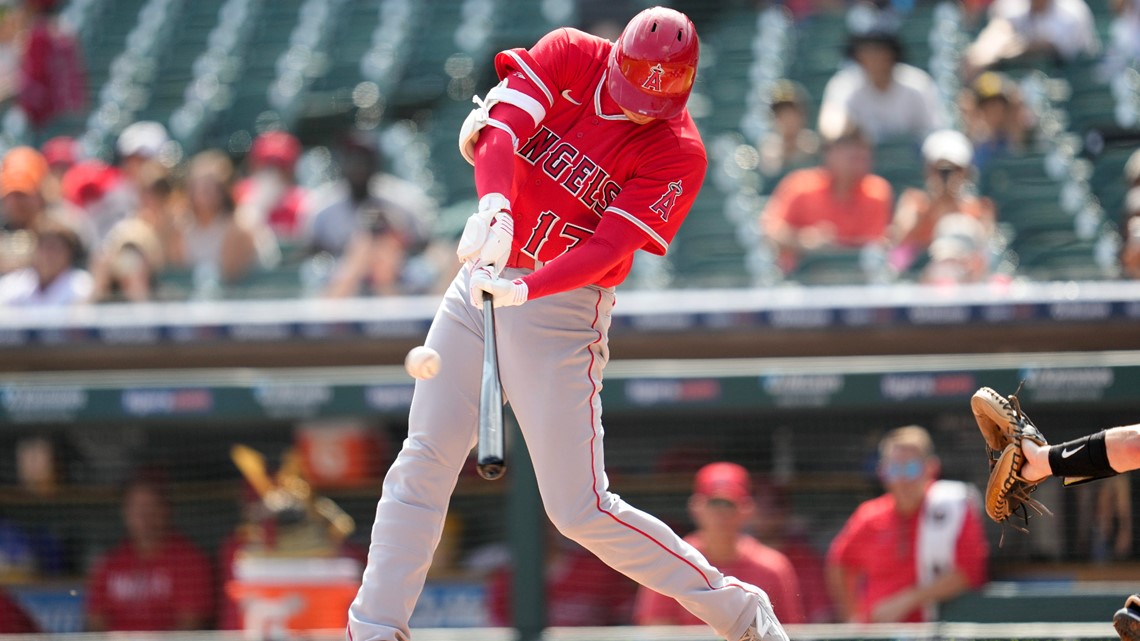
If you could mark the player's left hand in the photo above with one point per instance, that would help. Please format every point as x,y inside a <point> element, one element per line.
<point>507,293</point>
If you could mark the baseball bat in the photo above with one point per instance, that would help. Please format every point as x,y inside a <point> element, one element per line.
<point>489,456</point>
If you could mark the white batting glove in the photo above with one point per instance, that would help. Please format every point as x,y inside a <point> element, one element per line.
<point>507,293</point>
<point>487,236</point>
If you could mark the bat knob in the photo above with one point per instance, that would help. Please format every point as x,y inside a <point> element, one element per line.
<point>491,468</point>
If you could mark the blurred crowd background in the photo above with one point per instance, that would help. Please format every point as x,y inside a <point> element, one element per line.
<point>218,150</point>
<point>159,150</point>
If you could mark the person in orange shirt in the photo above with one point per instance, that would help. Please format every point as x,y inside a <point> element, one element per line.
<point>838,204</point>
<point>722,507</point>
<point>948,155</point>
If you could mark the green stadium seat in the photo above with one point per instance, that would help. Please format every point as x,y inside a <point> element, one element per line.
<point>900,163</point>
<point>1107,182</point>
<point>830,267</point>
<point>280,282</point>
<point>1060,260</point>
<point>174,284</point>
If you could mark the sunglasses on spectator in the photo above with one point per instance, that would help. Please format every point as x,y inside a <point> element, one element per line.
<point>903,471</point>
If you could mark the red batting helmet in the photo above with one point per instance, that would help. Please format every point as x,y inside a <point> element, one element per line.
<point>654,62</point>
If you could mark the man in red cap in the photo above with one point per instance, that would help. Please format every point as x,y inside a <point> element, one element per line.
<point>270,192</point>
<point>721,507</point>
<point>584,153</point>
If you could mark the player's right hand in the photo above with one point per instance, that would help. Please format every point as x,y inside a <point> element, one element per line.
<point>487,236</point>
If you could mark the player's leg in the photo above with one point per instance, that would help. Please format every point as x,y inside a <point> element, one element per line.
<point>409,516</point>
<point>552,355</point>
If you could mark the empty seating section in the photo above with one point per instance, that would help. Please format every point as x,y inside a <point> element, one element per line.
<point>269,38</point>
<point>174,71</point>
<point>218,71</point>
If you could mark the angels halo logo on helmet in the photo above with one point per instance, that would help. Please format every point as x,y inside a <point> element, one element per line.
<point>653,63</point>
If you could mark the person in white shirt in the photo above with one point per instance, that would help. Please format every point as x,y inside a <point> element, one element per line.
<point>885,97</point>
<point>52,278</point>
<point>1028,29</point>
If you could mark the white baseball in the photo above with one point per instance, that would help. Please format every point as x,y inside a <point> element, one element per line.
<point>422,362</point>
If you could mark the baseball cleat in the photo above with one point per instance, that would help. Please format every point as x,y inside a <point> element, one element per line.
<point>766,627</point>
<point>1127,619</point>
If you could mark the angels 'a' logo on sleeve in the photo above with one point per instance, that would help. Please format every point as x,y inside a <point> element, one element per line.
<point>664,205</point>
<point>653,81</point>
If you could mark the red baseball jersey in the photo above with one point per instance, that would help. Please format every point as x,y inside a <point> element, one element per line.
<point>586,160</point>
<point>134,593</point>
<point>878,544</point>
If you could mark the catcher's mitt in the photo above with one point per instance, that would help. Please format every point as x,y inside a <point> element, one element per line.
<point>1004,426</point>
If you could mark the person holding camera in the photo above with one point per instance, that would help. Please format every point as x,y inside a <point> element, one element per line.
<point>948,157</point>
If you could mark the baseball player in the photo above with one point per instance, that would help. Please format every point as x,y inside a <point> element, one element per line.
<point>583,154</point>
<point>1094,456</point>
<point>1020,459</point>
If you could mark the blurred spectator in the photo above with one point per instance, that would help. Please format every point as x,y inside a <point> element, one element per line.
<point>1123,48</point>
<point>346,206</point>
<point>53,80</point>
<point>838,204</point>
<point>776,525</point>
<point>156,209</point>
<point>61,153</point>
<point>917,545</point>
<point>29,553</point>
<point>580,589</point>
<point>373,261</point>
<point>12,30</point>
<point>155,579</point>
<point>214,242</point>
<point>947,155</point>
<point>331,226</point>
<point>127,267</point>
<point>722,506</point>
<point>140,146</point>
<point>997,120</point>
<point>13,618</point>
<point>959,253</point>
<point>21,179</point>
<point>790,144</point>
<point>1130,252</point>
<point>1104,520</point>
<point>885,97</point>
<point>97,198</point>
<point>270,194</point>
<point>18,560</point>
<point>54,276</point>
<point>1028,30</point>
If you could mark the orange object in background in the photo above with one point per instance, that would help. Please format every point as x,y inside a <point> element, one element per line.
<point>340,454</point>
<point>278,595</point>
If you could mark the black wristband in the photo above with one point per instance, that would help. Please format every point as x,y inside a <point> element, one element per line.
<point>1082,457</point>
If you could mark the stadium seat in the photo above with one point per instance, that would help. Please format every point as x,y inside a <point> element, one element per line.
<point>900,163</point>
<point>1060,260</point>
<point>1108,182</point>
<point>831,267</point>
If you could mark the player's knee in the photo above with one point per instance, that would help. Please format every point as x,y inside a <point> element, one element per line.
<point>578,520</point>
<point>571,523</point>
